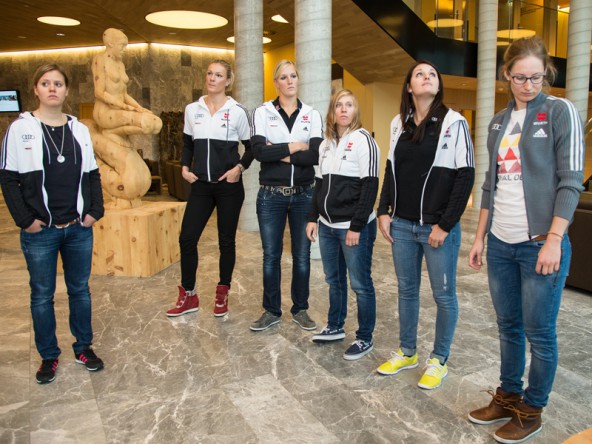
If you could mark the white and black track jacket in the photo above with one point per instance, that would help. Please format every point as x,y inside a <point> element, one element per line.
<point>211,142</point>
<point>448,184</point>
<point>347,181</point>
<point>270,137</point>
<point>22,175</point>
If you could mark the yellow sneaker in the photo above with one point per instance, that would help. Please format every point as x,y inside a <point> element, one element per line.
<point>397,363</point>
<point>435,372</point>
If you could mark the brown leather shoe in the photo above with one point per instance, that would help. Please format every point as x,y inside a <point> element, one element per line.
<point>526,422</point>
<point>497,408</point>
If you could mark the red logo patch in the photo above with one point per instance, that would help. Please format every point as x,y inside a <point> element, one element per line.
<point>542,116</point>
<point>305,118</point>
<point>226,116</point>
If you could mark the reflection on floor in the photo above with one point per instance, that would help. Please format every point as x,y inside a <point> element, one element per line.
<point>203,379</point>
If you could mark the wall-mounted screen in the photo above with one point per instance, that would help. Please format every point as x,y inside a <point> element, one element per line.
<point>10,101</point>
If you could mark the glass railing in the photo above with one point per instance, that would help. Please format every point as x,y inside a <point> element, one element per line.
<point>458,19</point>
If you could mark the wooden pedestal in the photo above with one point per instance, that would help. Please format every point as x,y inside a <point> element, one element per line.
<point>137,241</point>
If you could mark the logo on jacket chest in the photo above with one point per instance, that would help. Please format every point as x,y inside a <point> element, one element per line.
<point>27,137</point>
<point>541,119</point>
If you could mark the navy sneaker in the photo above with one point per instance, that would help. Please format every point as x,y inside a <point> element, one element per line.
<point>358,349</point>
<point>47,371</point>
<point>87,357</point>
<point>329,334</point>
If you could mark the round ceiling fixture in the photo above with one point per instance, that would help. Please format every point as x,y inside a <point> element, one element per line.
<point>265,39</point>
<point>278,18</point>
<point>186,19</point>
<point>445,23</point>
<point>515,33</point>
<point>58,21</point>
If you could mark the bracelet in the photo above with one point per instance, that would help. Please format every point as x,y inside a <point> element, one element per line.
<point>555,234</point>
<point>241,167</point>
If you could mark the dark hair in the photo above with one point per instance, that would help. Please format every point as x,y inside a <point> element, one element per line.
<point>437,108</point>
<point>525,47</point>
<point>44,69</point>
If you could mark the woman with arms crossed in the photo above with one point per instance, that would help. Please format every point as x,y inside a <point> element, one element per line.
<point>530,193</point>
<point>285,138</point>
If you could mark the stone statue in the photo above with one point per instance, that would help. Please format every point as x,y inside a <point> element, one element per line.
<point>124,174</point>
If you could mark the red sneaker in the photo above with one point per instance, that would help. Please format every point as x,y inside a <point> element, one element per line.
<point>221,305</point>
<point>187,303</point>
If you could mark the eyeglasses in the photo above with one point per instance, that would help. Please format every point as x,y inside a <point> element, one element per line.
<point>520,79</point>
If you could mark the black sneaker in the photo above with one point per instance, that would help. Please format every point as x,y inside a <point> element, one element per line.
<point>329,334</point>
<point>358,349</point>
<point>47,371</point>
<point>87,357</point>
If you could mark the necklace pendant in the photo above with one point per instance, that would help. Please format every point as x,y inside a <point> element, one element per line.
<point>61,159</point>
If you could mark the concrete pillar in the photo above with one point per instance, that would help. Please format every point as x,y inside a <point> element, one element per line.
<point>313,58</point>
<point>313,52</point>
<point>248,88</point>
<point>486,76</point>
<point>578,55</point>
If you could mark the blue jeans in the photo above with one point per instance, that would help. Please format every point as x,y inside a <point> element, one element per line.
<point>74,243</point>
<point>338,259</point>
<point>272,211</point>
<point>409,247</point>
<point>527,305</point>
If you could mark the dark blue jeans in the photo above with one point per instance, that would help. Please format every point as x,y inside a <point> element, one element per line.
<point>409,247</point>
<point>527,305</point>
<point>338,260</point>
<point>272,211</point>
<point>74,244</point>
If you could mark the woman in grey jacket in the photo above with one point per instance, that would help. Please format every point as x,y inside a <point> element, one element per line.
<point>530,193</point>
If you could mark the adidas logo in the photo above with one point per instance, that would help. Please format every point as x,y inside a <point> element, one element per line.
<point>540,133</point>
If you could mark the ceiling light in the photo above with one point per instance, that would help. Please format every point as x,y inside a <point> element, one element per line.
<point>265,39</point>
<point>516,33</point>
<point>58,21</point>
<point>445,23</point>
<point>61,34</point>
<point>278,18</point>
<point>186,19</point>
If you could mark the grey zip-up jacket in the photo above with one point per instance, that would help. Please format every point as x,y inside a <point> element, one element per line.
<point>552,157</point>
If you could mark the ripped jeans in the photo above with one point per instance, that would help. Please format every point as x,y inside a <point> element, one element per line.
<point>409,247</point>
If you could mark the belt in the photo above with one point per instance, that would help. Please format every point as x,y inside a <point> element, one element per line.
<point>540,237</point>
<point>67,224</point>
<point>287,191</point>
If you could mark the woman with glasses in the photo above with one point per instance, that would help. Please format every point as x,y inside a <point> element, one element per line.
<point>536,154</point>
<point>285,138</point>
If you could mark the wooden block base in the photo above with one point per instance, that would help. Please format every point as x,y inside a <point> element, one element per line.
<point>137,241</point>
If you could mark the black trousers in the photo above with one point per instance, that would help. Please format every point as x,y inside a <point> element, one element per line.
<point>228,199</point>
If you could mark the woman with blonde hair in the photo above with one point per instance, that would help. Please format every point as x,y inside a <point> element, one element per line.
<point>285,139</point>
<point>214,126</point>
<point>344,196</point>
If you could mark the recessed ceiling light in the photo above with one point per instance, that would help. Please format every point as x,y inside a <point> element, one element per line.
<point>265,39</point>
<point>172,33</point>
<point>58,21</point>
<point>21,37</point>
<point>61,34</point>
<point>186,19</point>
<point>278,18</point>
<point>516,33</point>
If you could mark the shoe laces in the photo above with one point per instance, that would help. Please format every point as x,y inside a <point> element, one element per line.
<point>521,414</point>
<point>181,300</point>
<point>395,357</point>
<point>433,369</point>
<point>360,343</point>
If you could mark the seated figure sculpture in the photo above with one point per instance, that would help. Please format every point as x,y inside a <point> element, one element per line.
<point>124,174</point>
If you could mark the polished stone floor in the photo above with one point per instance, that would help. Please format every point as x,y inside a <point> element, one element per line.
<point>203,379</point>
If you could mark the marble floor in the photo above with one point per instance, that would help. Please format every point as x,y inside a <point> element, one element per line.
<point>200,379</point>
